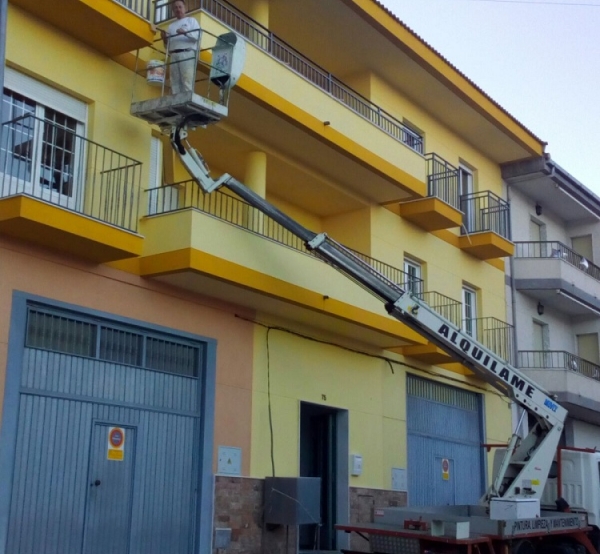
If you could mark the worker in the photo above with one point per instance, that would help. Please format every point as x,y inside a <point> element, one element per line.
<point>181,39</point>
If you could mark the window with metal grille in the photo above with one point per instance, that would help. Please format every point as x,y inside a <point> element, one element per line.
<point>445,394</point>
<point>59,332</point>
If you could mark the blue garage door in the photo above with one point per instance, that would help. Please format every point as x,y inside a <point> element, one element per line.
<point>445,432</point>
<point>108,447</point>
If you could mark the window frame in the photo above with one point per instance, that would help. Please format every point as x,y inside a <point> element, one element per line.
<point>54,111</point>
<point>410,265</point>
<point>469,325</point>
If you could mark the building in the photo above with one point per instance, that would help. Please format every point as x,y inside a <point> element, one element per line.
<point>555,289</point>
<point>164,351</point>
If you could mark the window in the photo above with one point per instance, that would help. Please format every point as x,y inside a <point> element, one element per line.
<point>41,152</point>
<point>38,151</point>
<point>537,236</point>
<point>412,137</point>
<point>414,282</point>
<point>67,334</point>
<point>469,307</point>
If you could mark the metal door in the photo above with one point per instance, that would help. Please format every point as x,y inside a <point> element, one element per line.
<point>110,488</point>
<point>443,423</point>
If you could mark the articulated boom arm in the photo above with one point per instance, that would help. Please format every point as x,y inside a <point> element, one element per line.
<point>526,465</point>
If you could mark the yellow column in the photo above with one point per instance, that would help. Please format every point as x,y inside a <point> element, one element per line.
<point>255,174</point>
<point>259,11</point>
<point>255,178</point>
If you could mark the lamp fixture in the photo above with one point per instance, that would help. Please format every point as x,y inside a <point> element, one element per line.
<point>538,209</point>
<point>540,308</point>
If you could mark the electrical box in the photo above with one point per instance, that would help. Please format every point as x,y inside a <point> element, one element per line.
<point>356,463</point>
<point>292,500</point>
<point>514,508</point>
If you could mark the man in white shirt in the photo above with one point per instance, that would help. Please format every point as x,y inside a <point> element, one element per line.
<point>181,40</point>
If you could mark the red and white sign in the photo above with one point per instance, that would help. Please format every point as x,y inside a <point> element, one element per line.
<point>116,444</point>
<point>445,469</point>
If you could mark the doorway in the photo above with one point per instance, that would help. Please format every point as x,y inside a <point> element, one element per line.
<point>324,454</point>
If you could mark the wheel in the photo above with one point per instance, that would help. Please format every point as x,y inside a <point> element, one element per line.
<point>522,546</point>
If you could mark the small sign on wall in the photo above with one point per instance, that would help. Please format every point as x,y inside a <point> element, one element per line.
<point>116,444</point>
<point>445,469</point>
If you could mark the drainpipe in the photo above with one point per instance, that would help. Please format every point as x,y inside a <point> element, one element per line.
<point>513,301</point>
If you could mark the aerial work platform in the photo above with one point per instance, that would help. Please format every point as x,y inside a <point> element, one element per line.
<point>170,110</point>
<point>217,68</point>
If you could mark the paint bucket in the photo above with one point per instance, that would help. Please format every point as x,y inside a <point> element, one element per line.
<point>155,72</point>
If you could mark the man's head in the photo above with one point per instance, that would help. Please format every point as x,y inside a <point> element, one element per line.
<point>179,9</point>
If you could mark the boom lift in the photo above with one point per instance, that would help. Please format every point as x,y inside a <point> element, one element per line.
<point>523,468</point>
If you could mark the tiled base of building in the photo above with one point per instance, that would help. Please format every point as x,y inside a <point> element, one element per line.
<point>362,504</point>
<point>239,507</point>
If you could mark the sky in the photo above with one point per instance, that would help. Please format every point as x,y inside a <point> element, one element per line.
<point>538,59</point>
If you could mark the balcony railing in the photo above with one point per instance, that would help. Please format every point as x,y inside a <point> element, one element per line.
<point>558,359</point>
<point>141,7</point>
<point>228,208</point>
<point>485,211</point>
<point>493,333</point>
<point>554,249</point>
<point>445,306</point>
<point>51,162</point>
<point>260,36</point>
<point>442,180</point>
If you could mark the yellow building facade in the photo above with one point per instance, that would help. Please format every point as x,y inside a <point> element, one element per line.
<point>202,333</point>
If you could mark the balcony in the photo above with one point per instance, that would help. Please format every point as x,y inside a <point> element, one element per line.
<point>558,277</point>
<point>486,226</point>
<point>108,26</point>
<point>269,43</point>
<point>574,381</point>
<point>441,208</point>
<point>430,353</point>
<point>247,238</point>
<point>62,191</point>
<point>494,334</point>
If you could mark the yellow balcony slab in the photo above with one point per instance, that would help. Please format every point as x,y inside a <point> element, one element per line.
<point>431,214</point>
<point>457,367</point>
<point>54,227</point>
<point>486,245</point>
<point>105,25</point>
<point>427,353</point>
<point>192,250</point>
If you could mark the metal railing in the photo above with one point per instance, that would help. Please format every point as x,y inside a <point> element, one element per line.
<point>141,7</point>
<point>558,359</point>
<point>442,180</point>
<point>226,207</point>
<point>444,305</point>
<point>555,249</point>
<point>51,162</point>
<point>260,36</point>
<point>493,333</point>
<point>485,211</point>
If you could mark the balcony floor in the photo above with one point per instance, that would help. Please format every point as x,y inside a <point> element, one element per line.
<point>54,227</point>
<point>577,393</point>
<point>105,25</point>
<point>214,277</point>
<point>486,245</point>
